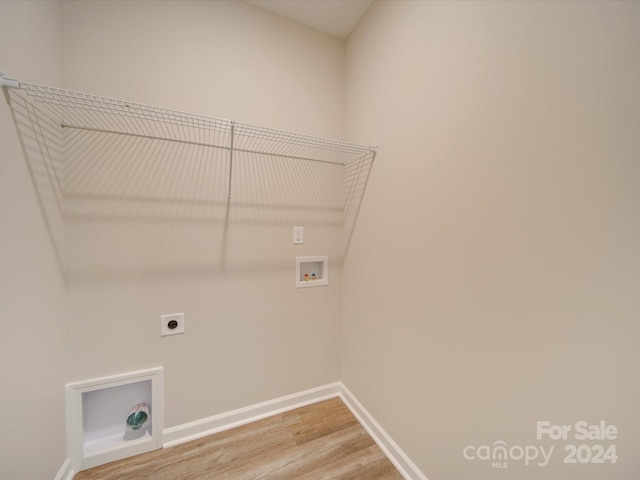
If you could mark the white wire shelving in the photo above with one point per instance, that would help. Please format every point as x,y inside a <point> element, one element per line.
<point>81,111</point>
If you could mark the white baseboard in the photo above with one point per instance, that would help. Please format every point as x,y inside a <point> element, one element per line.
<point>235,418</point>
<point>65,472</point>
<point>400,460</point>
<point>208,426</point>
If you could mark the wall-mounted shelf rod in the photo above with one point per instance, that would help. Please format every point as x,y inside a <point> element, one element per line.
<point>201,144</point>
<point>142,135</point>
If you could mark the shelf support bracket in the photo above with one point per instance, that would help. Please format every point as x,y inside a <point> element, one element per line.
<point>8,82</point>
<point>233,128</point>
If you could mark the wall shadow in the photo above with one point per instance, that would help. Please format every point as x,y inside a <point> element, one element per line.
<point>41,139</point>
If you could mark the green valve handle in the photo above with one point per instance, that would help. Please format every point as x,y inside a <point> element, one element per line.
<point>138,416</point>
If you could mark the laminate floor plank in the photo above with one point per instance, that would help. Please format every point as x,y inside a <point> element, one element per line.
<point>323,441</point>
<point>320,453</point>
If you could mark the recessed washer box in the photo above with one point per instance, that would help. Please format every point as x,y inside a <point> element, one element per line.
<point>312,271</point>
<point>97,412</point>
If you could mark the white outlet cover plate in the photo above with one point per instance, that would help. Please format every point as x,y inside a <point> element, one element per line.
<point>165,320</point>
<point>298,235</point>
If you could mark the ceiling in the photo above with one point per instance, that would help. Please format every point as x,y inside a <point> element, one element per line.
<point>335,17</point>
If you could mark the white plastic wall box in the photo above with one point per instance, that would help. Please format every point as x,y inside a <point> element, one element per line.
<point>318,265</point>
<point>97,410</point>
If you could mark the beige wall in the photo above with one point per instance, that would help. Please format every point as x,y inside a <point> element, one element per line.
<point>149,228</point>
<point>32,296</point>
<point>492,279</point>
<point>224,59</point>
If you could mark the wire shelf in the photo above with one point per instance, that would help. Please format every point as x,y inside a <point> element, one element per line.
<point>104,164</point>
<point>84,111</point>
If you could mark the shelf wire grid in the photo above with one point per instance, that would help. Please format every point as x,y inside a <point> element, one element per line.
<point>123,165</point>
<point>104,114</point>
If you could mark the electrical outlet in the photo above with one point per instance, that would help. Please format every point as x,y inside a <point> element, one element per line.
<point>171,324</point>
<point>298,235</point>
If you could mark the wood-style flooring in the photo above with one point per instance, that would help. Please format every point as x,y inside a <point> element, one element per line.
<point>320,441</point>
